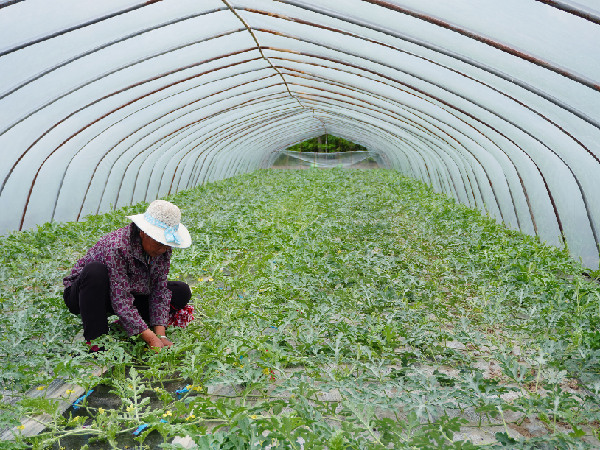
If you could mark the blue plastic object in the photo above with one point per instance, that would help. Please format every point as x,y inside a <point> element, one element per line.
<point>141,428</point>
<point>181,392</point>
<point>80,399</point>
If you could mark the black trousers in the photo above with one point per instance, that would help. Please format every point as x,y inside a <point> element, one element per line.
<point>89,296</point>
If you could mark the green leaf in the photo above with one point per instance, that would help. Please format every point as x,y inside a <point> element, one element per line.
<point>577,432</point>
<point>505,439</point>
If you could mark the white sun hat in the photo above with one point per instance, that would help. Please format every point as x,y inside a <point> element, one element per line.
<point>162,222</point>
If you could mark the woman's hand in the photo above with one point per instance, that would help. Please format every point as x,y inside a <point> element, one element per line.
<point>166,342</point>
<point>153,340</point>
<point>161,333</point>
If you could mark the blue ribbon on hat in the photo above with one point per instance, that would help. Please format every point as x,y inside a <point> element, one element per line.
<point>171,235</point>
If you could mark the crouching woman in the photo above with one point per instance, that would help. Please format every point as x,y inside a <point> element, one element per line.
<point>125,273</point>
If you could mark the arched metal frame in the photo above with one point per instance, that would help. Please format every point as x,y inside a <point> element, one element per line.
<point>496,104</point>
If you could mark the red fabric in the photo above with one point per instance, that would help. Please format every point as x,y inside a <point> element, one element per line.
<point>93,348</point>
<point>182,317</point>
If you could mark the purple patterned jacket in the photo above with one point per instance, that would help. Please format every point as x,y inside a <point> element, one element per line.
<point>121,252</point>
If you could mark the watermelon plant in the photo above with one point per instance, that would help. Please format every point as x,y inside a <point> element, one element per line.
<point>334,309</point>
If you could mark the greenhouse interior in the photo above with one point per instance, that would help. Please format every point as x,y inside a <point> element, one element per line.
<point>180,269</point>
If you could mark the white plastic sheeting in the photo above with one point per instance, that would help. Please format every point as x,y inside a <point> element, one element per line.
<point>496,104</point>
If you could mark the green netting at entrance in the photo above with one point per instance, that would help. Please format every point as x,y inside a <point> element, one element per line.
<point>345,160</point>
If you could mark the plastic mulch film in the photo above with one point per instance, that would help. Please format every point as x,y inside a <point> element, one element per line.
<point>496,104</point>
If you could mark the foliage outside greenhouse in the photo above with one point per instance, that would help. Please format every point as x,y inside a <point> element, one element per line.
<point>336,309</point>
<point>327,144</point>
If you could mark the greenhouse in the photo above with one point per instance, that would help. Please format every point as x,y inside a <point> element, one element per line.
<point>436,286</point>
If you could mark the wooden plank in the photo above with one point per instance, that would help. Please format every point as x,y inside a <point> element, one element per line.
<point>66,393</point>
<point>57,389</point>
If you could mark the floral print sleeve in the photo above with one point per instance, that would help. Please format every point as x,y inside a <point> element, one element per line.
<point>120,293</point>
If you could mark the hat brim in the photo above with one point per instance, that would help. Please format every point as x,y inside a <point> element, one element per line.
<point>158,234</point>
